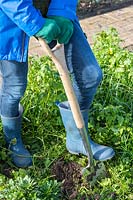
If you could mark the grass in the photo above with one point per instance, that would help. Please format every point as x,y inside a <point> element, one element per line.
<point>44,134</point>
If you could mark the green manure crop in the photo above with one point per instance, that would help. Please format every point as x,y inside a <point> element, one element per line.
<point>110,123</point>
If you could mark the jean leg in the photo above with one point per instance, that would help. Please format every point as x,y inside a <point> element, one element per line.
<point>14,82</point>
<point>83,67</point>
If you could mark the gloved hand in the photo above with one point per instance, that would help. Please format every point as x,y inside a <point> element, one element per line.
<point>50,31</point>
<point>66,27</point>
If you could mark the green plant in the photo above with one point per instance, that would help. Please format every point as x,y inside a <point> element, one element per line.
<point>24,187</point>
<point>44,135</point>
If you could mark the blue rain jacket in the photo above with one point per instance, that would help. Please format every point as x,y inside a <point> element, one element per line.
<point>19,20</point>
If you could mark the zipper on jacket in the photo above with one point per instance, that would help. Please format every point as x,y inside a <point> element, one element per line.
<point>23,43</point>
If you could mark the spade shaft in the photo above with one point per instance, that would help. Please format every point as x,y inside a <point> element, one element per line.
<point>66,81</point>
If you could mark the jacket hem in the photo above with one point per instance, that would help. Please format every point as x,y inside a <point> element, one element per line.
<point>63,13</point>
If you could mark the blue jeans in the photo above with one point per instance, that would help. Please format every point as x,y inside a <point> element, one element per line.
<point>14,82</point>
<point>82,65</point>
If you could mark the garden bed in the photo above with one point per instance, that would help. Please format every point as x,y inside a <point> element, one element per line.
<point>91,7</point>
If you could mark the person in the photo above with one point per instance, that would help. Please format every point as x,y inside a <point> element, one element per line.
<point>19,20</point>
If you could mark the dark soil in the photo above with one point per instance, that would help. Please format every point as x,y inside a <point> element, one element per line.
<point>69,174</point>
<point>6,166</point>
<point>5,169</point>
<point>88,8</point>
<point>129,48</point>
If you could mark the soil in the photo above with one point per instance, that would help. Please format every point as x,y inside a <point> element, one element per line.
<point>5,169</point>
<point>69,174</point>
<point>88,8</point>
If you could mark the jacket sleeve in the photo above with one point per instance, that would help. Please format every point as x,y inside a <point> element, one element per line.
<point>23,14</point>
<point>65,8</point>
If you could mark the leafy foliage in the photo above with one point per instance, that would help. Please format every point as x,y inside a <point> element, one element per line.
<point>44,134</point>
<point>22,186</point>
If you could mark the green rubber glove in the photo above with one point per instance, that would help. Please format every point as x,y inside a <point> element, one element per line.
<point>66,27</point>
<point>49,31</point>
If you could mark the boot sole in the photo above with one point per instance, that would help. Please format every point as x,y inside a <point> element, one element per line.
<point>75,153</point>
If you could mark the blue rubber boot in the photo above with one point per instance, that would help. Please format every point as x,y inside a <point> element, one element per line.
<point>12,131</point>
<point>74,142</point>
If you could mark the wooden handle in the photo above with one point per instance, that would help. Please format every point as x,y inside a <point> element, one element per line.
<point>66,81</point>
<point>64,75</point>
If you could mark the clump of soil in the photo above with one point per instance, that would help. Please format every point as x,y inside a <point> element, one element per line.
<point>69,173</point>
